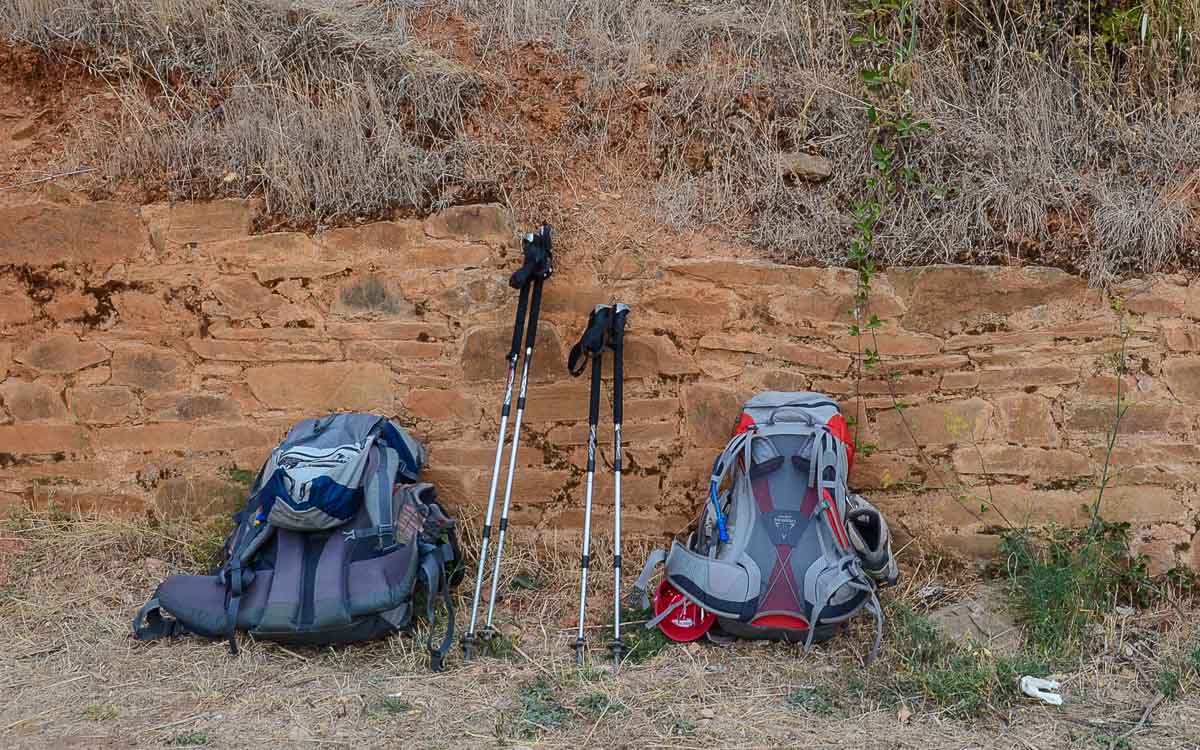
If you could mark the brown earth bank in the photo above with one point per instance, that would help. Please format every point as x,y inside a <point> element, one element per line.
<point>149,354</point>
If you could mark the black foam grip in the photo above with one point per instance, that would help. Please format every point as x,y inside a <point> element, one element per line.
<point>519,323</point>
<point>618,347</point>
<point>594,396</point>
<point>535,309</point>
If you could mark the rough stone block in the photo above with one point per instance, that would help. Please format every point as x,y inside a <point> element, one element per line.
<point>1026,420</point>
<point>235,436</point>
<point>1184,339</point>
<point>960,381</point>
<point>144,438</point>
<point>373,296</point>
<point>15,306</point>
<point>810,359</point>
<point>19,440</point>
<point>953,298</point>
<point>1139,417</point>
<point>166,407</point>
<point>277,247</point>
<point>691,303</point>
<point>443,404</point>
<point>141,309</point>
<point>940,423</point>
<point>391,238</point>
<point>485,349</point>
<point>886,471</point>
<point>62,353</point>
<point>939,364</point>
<point>268,273</point>
<point>179,224</point>
<point>736,272</point>
<point>240,297</point>
<point>1021,505</point>
<point>712,413</point>
<point>478,223</point>
<point>1026,377</point>
<point>399,330</point>
<point>566,401</point>
<point>1042,465</point>
<point>1183,378</point>
<point>415,351</point>
<point>33,401</point>
<point>105,404</point>
<point>264,351</point>
<point>311,388</point>
<point>891,344</point>
<point>149,368</point>
<point>651,356</point>
<point>44,234</point>
<point>5,359</point>
<point>71,305</point>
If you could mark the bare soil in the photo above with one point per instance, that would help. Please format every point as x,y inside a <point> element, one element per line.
<point>72,676</point>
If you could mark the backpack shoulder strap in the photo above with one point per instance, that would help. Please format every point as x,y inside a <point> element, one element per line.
<point>432,567</point>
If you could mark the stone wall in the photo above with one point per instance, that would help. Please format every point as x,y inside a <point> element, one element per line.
<point>149,354</point>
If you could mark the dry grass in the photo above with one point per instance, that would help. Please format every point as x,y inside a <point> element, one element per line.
<point>1061,133</point>
<point>72,676</point>
<point>330,110</point>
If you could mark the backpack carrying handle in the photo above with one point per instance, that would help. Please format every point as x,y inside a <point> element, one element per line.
<point>805,417</point>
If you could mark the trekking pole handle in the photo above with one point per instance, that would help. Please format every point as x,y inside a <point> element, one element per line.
<point>593,340</point>
<point>539,258</point>
<point>617,342</point>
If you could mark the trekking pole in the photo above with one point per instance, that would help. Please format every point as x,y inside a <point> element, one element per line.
<point>469,639</point>
<point>591,344</point>
<point>617,342</point>
<point>538,266</point>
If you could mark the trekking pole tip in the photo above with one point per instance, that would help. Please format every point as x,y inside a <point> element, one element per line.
<point>580,649</point>
<point>468,646</point>
<point>618,651</point>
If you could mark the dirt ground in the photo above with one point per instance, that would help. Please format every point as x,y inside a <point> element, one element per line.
<point>72,676</point>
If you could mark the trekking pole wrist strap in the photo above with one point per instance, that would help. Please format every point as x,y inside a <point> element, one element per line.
<point>592,342</point>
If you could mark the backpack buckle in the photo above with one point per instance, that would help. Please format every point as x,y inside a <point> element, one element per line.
<point>437,660</point>
<point>385,530</point>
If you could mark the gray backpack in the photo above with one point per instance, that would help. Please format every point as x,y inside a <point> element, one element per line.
<point>770,555</point>
<point>336,542</point>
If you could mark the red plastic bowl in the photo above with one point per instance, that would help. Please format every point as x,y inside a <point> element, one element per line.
<point>687,622</point>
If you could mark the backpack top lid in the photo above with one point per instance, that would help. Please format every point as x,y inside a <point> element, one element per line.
<point>320,474</point>
<point>779,408</point>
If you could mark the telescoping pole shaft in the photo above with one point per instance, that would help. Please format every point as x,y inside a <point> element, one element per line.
<point>617,339</point>
<point>585,555</point>
<point>514,353</point>
<point>531,337</point>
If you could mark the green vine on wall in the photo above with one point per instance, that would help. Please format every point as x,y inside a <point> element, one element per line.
<point>890,38</point>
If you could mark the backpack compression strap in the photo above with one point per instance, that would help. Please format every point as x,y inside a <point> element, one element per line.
<point>382,464</point>
<point>434,559</point>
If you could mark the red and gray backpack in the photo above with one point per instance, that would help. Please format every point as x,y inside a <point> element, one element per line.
<point>770,556</point>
